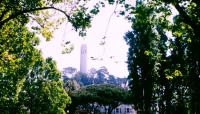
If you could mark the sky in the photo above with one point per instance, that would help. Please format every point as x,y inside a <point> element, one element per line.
<point>112,55</point>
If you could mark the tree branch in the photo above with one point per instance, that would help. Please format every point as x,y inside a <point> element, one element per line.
<point>3,14</point>
<point>197,2</point>
<point>12,16</point>
<point>184,15</point>
<point>188,20</point>
<point>41,25</point>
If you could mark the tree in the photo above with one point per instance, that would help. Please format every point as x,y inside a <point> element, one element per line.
<point>100,76</point>
<point>112,80</point>
<point>142,41</point>
<point>71,85</point>
<point>175,72</point>
<point>79,13</point>
<point>17,50</point>
<point>26,8</point>
<point>188,38</point>
<point>43,91</point>
<point>94,96</point>
<point>83,79</point>
<point>27,81</point>
<point>164,70</point>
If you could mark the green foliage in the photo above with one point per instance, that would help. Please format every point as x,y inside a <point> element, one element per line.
<point>93,96</point>
<point>111,1</point>
<point>80,19</point>
<point>16,58</point>
<point>163,68</point>
<point>71,85</point>
<point>92,78</point>
<point>43,91</point>
<point>42,14</point>
<point>28,83</point>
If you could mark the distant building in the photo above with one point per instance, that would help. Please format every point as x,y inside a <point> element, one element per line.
<point>83,59</point>
<point>121,109</point>
<point>124,109</point>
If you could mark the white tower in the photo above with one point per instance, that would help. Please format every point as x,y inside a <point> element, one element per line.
<point>83,59</point>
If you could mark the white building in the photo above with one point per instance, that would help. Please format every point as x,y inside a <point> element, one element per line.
<point>121,109</point>
<point>124,109</point>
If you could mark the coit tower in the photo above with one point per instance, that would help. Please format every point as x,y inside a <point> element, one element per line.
<point>83,59</point>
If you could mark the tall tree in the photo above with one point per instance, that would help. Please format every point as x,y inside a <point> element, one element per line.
<point>43,90</point>
<point>25,74</point>
<point>17,56</point>
<point>142,57</point>
<point>187,38</point>
<point>176,78</point>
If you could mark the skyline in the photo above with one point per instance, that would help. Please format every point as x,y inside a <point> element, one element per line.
<point>112,55</point>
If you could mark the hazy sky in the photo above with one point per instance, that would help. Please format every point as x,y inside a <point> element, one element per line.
<point>111,55</point>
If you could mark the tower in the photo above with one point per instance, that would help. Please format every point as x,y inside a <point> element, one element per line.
<point>83,59</point>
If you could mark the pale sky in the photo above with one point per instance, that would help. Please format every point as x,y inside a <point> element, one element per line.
<point>112,55</point>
